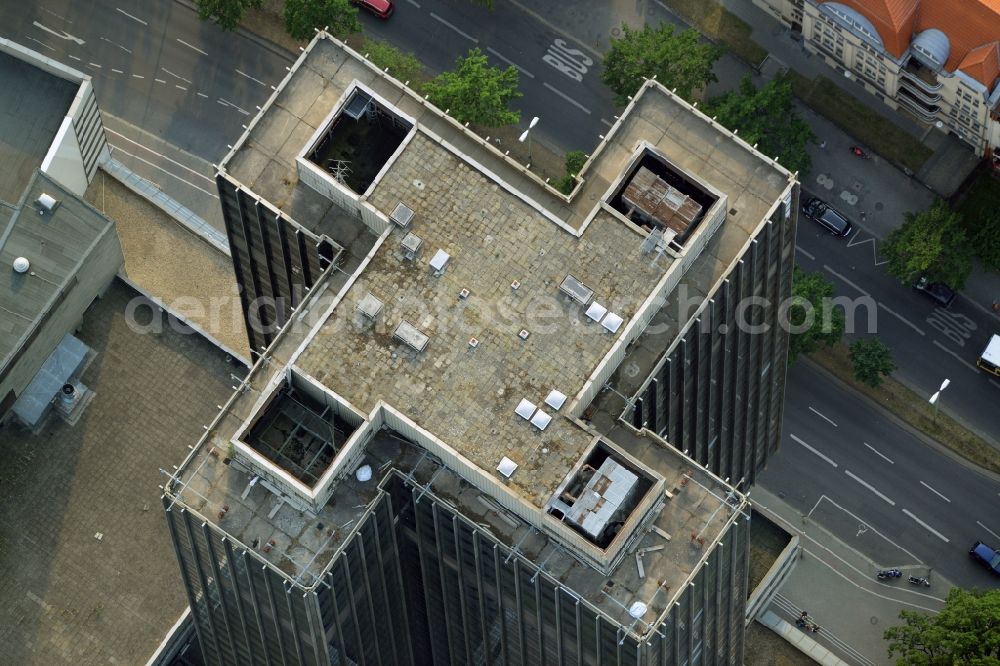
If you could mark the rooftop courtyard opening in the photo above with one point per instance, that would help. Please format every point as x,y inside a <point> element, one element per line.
<point>302,428</point>
<point>359,140</point>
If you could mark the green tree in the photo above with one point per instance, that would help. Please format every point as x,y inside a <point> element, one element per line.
<point>872,360</point>
<point>226,13</point>
<point>679,60</point>
<point>401,64</point>
<point>575,159</point>
<point>932,243</point>
<point>767,117</point>
<point>966,632</point>
<point>986,239</point>
<point>475,92</point>
<point>304,17</point>
<point>812,319</point>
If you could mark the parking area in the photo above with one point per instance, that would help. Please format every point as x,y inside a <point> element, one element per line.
<point>87,572</point>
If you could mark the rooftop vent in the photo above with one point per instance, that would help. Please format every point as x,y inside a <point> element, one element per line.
<point>525,409</point>
<point>596,311</point>
<point>506,467</point>
<point>46,204</point>
<point>464,294</point>
<point>410,245</point>
<point>408,334</point>
<point>401,215</point>
<point>439,261</point>
<point>370,306</point>
<point>515,285</point>
<point>555,399</point>
<point>637,610</point>
<point>612,322</point>
<point>523,334</point>
<point>21,265</point>
<point>541,420</point>
<point>576,290</point>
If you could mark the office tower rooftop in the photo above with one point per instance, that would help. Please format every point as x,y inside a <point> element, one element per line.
<point>454,347</point>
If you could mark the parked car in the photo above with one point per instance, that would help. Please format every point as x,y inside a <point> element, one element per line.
<point>380,8</point>
<point>938,292</point>
<point>986,556</point>
<point>827,217</point>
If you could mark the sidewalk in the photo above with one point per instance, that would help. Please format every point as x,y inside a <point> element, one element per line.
<point>836,585</point>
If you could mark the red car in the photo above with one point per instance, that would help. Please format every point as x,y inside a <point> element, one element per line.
<point>380,8</point>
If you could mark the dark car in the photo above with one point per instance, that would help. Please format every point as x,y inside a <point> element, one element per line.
<point>827,217</point>
<point>380,8</point>
<point>938,292</point>
<point>986,556</point>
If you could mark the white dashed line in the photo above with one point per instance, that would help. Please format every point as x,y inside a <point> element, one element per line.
<point>957,357</point>
<point>191,47</point>
<point>414,3</point>
<point>44,44</point>
<point>105,39</point>
<point>902,319</point>
<point>176,76</point>
<point>251,78</point>
<point>935,492</point>
<point>879,454</point>
<point>94,64</point>
<point>138,76</point>
<point>202,95</point>
<point>455,28</point>
<point>568,98</point>
<point>226,102</point>
<point>822,416</point>
<point>824,457</point>
<point>808,254</point>
<point>607,122</point>
<point>995,535</point>
<point>117,71</point>
<point>159,80</point>
<point>139,20</point>
<point>926,526</point>
<point>511,63</point>
<point>868,486</point>
<point>72,56</point>
<point>180,87</point>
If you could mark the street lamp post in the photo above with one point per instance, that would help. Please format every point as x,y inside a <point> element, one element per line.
<point>937,394</point>
<point>526,136</point>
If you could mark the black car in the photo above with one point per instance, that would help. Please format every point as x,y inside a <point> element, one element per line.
<point>827,217</point>
<point>938,292</point>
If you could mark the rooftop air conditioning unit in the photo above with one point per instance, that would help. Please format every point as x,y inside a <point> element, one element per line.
<point>46,204</point>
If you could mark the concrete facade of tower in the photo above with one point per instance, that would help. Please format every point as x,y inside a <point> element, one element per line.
<point>488,423</point>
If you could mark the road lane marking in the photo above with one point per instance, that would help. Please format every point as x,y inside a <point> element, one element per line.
<point>455,28</point>
<point>176,76</point>
<point>995,535</point>
<point>61,34</point>
<point>835,273</point>
<point>878,453</point>
<point>169,173</point>
<point>414,3</point>
<point>159,80</point>
<point>869,486</point>
<point>226,102</point>
<point>511,62</point>
<point>139,20</point>
<point>202,95</point>
<point>71,56</point>
<point>808,254</point>
<point>607,122</point>
<point>927,527</point>
<point>821,455</point>
<point>160,155</point>
<point>105,39</point>
<point>94,64</point>
<point>568,98</point>
<point>814,411</point>
<point>117,71</point>
<point>44,44</point>
<point>879,303</point>
<point>58,16</point>
<point>852,242</point>
<point>191,46</point>
<point>957,357</point>
<point>180,87</point>
<point>251,78</point>
<point>935,492</point>
<point>138,76</point>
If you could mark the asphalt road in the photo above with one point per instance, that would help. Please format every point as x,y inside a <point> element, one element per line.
<point>929,343</point>
<point>877,486</point>
<point>175,90</point>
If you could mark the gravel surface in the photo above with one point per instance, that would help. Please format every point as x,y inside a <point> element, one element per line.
<point>172,265</point>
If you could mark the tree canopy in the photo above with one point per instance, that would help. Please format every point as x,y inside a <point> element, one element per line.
<point>402,65</point>
<point>475,92</point>
<point>304,17</point>
<point>767,117</point>
<point>679,60</point>
<point>226,13</point>
<point>872,360</point>
<point>966,632</point>
<point>986,239</point>
<point>932,243</point>
<point>813,320</point>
